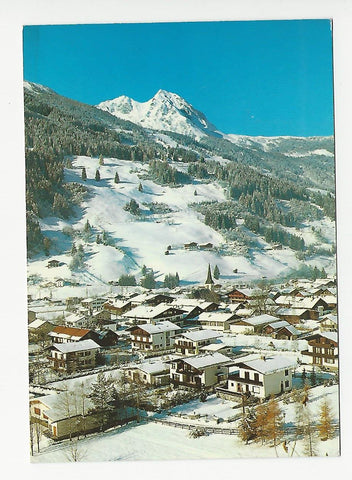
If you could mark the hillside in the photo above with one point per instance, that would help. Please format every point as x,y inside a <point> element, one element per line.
<point>225,191</point>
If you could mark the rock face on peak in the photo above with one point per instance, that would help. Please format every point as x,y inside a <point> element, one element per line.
<point>165,111</point>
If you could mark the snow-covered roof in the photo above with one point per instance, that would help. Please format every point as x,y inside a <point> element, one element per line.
<point>279,324</point>
<point>144,311</point>
<point>76,346</point>
<point>261,319</point>
<point>214,347</point>
<point>216,316</point>
<point>206,360</point>
<point>159,327</point>
<point>270,364</point>
<point>153,367</point>
<point>37,323</point>
<point>198,335</point>
<point>330,335</point>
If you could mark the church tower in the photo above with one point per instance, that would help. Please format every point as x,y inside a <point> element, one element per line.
<point>209,282</point>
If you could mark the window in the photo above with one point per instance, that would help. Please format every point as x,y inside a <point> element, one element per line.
<point>256,377</point>
<point>287,384</point>
<point>286,373</point>
<point>246,375</point>
<point>37,411</point>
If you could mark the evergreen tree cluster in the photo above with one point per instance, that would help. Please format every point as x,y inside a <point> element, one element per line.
<point>164,173</point>
<point>127,281</point>
<point>171,281</point>
<point>132,207</point>
<point>178,154</point>
<point>198,170</point>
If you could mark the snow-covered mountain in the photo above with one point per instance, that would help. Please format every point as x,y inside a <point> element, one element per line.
<point>165,111</point>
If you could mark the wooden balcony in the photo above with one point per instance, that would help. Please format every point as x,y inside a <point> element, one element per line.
<point>237,378</point>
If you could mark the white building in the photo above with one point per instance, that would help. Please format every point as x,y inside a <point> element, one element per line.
<point>158,336</point>
<point>261,377</point>
<point>189,343</point>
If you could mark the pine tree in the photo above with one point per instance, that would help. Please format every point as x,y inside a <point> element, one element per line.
<point>247,427</point>
<point>73,249</point>
<point>117,178</point>
<point>304,376</point>
<point>216,272</point>
<point>98,240</point>
<point>84,174</point>
<point>101,159</point>
<point>313,377</point>
<point>148,281</point>
<point>325,426</point>
<point>140,188</point>
<point>97,176</point>
<point>46,245</point>
<point>102,394</point>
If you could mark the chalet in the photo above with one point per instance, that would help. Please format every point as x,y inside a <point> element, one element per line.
<point>252,324</point>
<point>40,326</point>
<point>237,295</point>
<point>205,370</point>
<point>150,299</point>
<point>216,347</point>
<point>309,303</point>
<point>63,334</point>
<point>282,330</point>
<point>158,336</point>
<point>117,307</point>
<point>205,246</point>
<point>74,356</point>
<point>189,343</point>
<point>203,305</point>
<point>154,314</point>
<point>151,373</point>
<point>93,303</point>
<point>59,282</point>
<point>322,350</point>
<point>190,246</point>
<point>58,422</point>
<point>107,338</point>
<point>76,320</point>
<point>217,320</point>
<point>329,323</point>
<point>294,316</point>
<point>261,377</point>
<point>53,263</point>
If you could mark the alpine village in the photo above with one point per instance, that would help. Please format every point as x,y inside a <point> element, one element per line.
<point>182,296</point>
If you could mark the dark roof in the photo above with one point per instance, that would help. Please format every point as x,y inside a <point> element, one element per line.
<point>209,279</point>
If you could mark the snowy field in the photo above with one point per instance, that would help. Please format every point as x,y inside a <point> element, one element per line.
<point>138,241</point>
<point>150,441</point>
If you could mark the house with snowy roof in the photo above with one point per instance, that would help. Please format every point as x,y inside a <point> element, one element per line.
<point>63,334</point>
<point>322,350</point>
<point>329,323</point>
<point>62,418</point>
<point>281,330</point>
<point>200,371</point>
<point>149,314</point>
<point>260,377</point>
<point>294,316</point>
<point>153,336</point>
<point>156,372</point>
<point>217,320</point>
<point>74,356</point>
<point>189,343</point>
<point>252,324</point>
<point>76,320</point>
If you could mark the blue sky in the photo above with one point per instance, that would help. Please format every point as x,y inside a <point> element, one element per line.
<point>252,78</point>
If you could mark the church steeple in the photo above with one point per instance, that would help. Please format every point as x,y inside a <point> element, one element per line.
<point>209,282</point>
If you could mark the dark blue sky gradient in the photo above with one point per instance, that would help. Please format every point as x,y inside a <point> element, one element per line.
<point>251,78</point>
